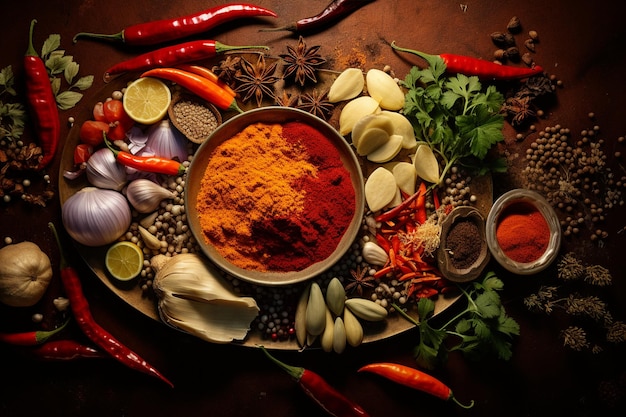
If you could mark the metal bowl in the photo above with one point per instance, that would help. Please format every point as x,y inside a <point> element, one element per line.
<point>272,115</point>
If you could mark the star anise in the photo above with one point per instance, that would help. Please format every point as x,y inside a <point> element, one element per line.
<point>301,62</point>
<point>316,104</point>
<point>256,80</point>
<point>287,100</point>
<point>228,69</point>
<point>520,108</point>
<point>359,280</point>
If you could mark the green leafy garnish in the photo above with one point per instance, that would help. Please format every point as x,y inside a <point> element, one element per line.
<point>12,114</point>
<point>482,328</point>
<point>455,115</point>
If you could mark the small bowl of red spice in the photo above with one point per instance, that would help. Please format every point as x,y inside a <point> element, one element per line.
<point>523,232</point>
<point>275,196</point>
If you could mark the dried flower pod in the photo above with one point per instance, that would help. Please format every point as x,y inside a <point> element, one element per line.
<point>513,53</point>
<point>533,35</point>
<point>514,25</point>
<point>500,54</point>
<point>528,59</point>
<point>530,45</point>
<point>502,39</point>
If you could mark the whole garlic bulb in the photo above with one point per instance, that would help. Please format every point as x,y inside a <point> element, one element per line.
<point>103,171</point>
<point>145,195</point>
<point>194,297</point>
<point>95,216</point>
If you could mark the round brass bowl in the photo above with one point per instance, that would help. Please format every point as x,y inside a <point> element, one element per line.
<point>272,115</point>
<point>444,257</point>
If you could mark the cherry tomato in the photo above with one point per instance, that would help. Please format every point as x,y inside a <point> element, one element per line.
<point>114,112</point>
<point>98,112</point>
<point>91,132</point>
<point>82,153</point>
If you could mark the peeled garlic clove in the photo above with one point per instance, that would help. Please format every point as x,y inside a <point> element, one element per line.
<point>406,177</point>
<point>339,336</point>
<point>300,317</point>
<point>354,329</point>
<point>315,311</point>
<point>148,221</point>
<point>371,140</point>
<point>145,195</point>
<point>326,338</point>
<point>335,296</point>
<point>347,85</point>
<point>384,89</point>
<point>403,127</point>
<point>426,164</point>
<point>387,151</point>
<point>366,309</point>
<point>374,254</point>
<point>354,110</point>
<point>377,120</point>
<point>380,189</point>
<point>150,240</point>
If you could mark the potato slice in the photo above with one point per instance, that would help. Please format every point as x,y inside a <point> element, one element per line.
<point>380,189</point>
<point>354,110</point>
<point>406,176</point>
<point>387,151</point>
<point>372,139</point>
<point>426,164</point>
<point>403,127</point>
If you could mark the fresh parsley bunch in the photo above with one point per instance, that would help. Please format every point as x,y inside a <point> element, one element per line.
<point>482,328</point>
<point>455,115</point>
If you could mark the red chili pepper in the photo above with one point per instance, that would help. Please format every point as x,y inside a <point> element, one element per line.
<point>313,385</point>
<point>174,55</point>
<point>335,10</point>
<point>390,214</point>
<point>208,74</point>
<point>153,164</point>
<point>66,350</point>
<point>160,31</point>
<point>42,103</point>
<point>197,84</point>
<point>30,338</point>
<point>96,333</point>
<point>413,378</point>
<point>481,68</point>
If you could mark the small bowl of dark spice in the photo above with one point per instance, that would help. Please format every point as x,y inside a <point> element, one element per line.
<point>463,251</point>
<point>523,232</point>
<point>193,117</point>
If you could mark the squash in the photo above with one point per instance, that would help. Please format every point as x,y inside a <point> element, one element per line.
<point>25,273</point>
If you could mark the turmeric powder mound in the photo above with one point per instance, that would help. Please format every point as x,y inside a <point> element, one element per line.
<point>250,177</point>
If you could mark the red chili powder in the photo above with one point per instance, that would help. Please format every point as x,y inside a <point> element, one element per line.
<point>523,233</point>
<point>295,243</point>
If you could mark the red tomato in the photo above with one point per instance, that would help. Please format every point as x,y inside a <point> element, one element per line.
<point>114,112</point>
<point>98,112</point>
<point>91,132</point>
<point>82,152</point>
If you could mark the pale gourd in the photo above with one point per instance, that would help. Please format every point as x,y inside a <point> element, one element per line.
<point>25,273</point>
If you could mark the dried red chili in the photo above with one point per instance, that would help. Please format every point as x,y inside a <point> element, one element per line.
<point>30,338</point>
<point>66,350</point>
<point>335,10</point>
<point>153,164</point>
<point>413,378</point>
<point>320,391</point>
<point>42,103</point>
<point>481,68</point>
<point>97,334</point>
<point>197,84</point>
<point>160,31</point>
<point>173,56</point>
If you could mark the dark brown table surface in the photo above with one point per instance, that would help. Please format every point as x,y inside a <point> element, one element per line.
<point>581,43</point>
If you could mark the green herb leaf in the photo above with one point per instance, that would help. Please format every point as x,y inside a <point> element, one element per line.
<point>50,45</point>
<point>68,99</point>
<point>70,71</point>
<point>55,83</point>
<point>56,64</point>
<point>83,83</point>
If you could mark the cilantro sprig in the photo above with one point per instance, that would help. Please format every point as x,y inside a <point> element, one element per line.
<point>455,115</point>
<point>482,328</point>
<point>12,114</point>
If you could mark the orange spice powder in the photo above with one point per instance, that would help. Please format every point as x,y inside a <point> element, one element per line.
<point>249,177</point>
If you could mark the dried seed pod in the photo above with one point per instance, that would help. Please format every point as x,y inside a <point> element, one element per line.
<point>530,45</point>
<point>500,39</point>
<point>513,53</point>
<point>500,54</point>
<point>528,59</point>
<point>534,35</point>
<point>514,25</point>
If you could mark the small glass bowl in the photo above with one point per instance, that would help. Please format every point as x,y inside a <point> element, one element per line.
<point>523,196</point>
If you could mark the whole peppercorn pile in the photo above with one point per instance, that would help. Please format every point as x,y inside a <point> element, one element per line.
<point>575,178</point>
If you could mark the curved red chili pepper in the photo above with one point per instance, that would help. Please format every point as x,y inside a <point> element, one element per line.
<point>174,55</point>
<point>43,106</point>
<point>481,68</point>
<point>197,84</point>
<point>208,74</point>
<point>413,378</point>
<point>335,10</point>
<point>30,338</point>
<point>94,332</point>
<point>320,391</point>
<point>66,350</point>
<point>153,164</point>
<point>159,31</point>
